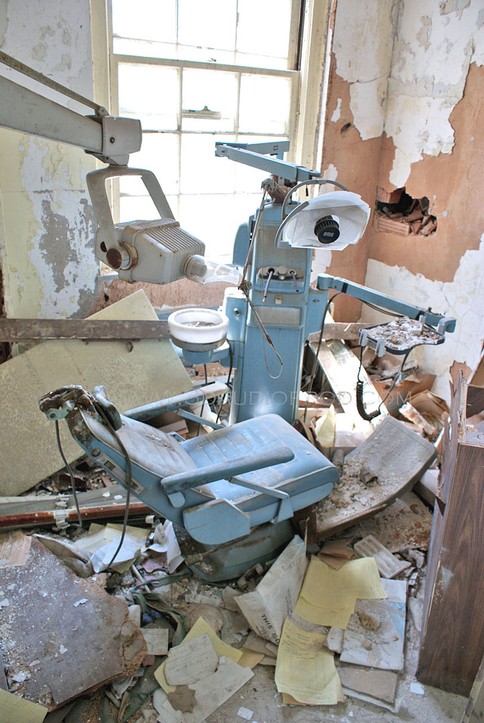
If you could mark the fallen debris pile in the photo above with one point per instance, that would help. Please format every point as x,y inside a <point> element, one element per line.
<point>175,649</point>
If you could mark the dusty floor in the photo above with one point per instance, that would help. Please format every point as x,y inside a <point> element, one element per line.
<point>260,697</point>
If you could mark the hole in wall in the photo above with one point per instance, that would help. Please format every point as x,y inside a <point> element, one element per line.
<point>397,212</point>
<point>346,127</point>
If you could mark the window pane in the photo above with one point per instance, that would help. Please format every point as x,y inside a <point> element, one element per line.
<point>201,170</point>
<point>247,179</point>
<point>212,90</point>
<point>207,23</point>
<point>150,93</point>
<point>263,29</point>
<point>214,219</point>
<point>146,19</point>
<point>136,208</point>
<point>264,104</point>
<point>159,153</point>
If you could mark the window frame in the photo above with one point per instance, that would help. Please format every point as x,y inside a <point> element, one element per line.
<point>307,57</point>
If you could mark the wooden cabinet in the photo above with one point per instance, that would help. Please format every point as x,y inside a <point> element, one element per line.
<point>452,641</point>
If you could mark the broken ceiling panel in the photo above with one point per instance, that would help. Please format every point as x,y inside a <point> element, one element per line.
<point>62,635</point>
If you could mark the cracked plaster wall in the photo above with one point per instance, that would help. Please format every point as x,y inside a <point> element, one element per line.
<point>404,108</point>
<point>46,221</point>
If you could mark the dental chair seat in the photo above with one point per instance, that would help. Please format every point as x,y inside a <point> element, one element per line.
<point>222,510</point>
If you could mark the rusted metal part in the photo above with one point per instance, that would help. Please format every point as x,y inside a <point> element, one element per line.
<point>13,330</point>
<point>51,517</point>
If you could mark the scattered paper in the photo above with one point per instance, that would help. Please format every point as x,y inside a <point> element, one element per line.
<point>328,596</point>
<point>245,713</point>
<point>335,554</point>
<point>379,684</point>
<point>191,661</point>
<point>375,634</point>
<point>305,669</point>
<point>274,598</point>
<point>165,542</point>
<point>222,649</point>
<point>167,714</point>
<point>102,541</point>
<point>156,640</point>
<point>13,708</point>
<point>212,692</point>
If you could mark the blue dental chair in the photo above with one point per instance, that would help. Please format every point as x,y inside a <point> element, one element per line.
<point>231,493</point>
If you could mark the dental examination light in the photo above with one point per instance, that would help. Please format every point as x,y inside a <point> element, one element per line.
<point>333,220</point>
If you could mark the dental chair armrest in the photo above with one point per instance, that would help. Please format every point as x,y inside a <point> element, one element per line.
<point>196,477</point>
<point>172,404</point>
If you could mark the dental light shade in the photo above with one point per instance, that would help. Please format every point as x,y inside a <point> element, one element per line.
<point>347,209</point>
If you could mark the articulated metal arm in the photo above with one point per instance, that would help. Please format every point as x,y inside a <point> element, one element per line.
<point>441,323</point>
<point>267,157</point>
<point>108,138</point>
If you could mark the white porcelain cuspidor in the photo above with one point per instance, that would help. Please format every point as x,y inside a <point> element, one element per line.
<point>198,326</point>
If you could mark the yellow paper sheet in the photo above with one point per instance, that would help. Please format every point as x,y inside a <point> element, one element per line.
<point>250,658</point>
<point>328,596</point>
<point>13,708</point>
<point>201,627</point>
<point>305,670</point>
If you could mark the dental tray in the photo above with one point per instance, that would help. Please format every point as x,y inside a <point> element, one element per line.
<point>399,336</point>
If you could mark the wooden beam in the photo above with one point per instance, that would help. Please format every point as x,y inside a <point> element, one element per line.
<point>14,330</point>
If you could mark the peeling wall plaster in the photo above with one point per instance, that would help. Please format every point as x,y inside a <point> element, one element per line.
<point>363,45</point>
<point>407,89</point>
<point>46,246</point>
<point>435,45</point>
<point>462,298</point>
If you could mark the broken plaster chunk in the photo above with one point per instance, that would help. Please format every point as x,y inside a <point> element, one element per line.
<point>82,601</point>
<point>367,620</point>
<point>191,661</point>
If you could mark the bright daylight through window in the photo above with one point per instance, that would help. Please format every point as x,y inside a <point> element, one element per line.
<point>196,72</point>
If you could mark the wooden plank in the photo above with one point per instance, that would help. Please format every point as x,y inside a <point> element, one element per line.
<point>453,633</point>
<point>13,330</point>
<point>453,630</point>
<point>133,374</point>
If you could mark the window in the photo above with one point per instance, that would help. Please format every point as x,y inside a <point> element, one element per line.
<point>195,72</point>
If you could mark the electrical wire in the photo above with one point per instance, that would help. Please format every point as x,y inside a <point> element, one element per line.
<point>255,231</point>
<point>368,416</point>
<point>69,469</point>
<point>128,482</point>
<point>228,382</point>
<point>312,376</point>
<point>267,284</point>
<point>245,287</point>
